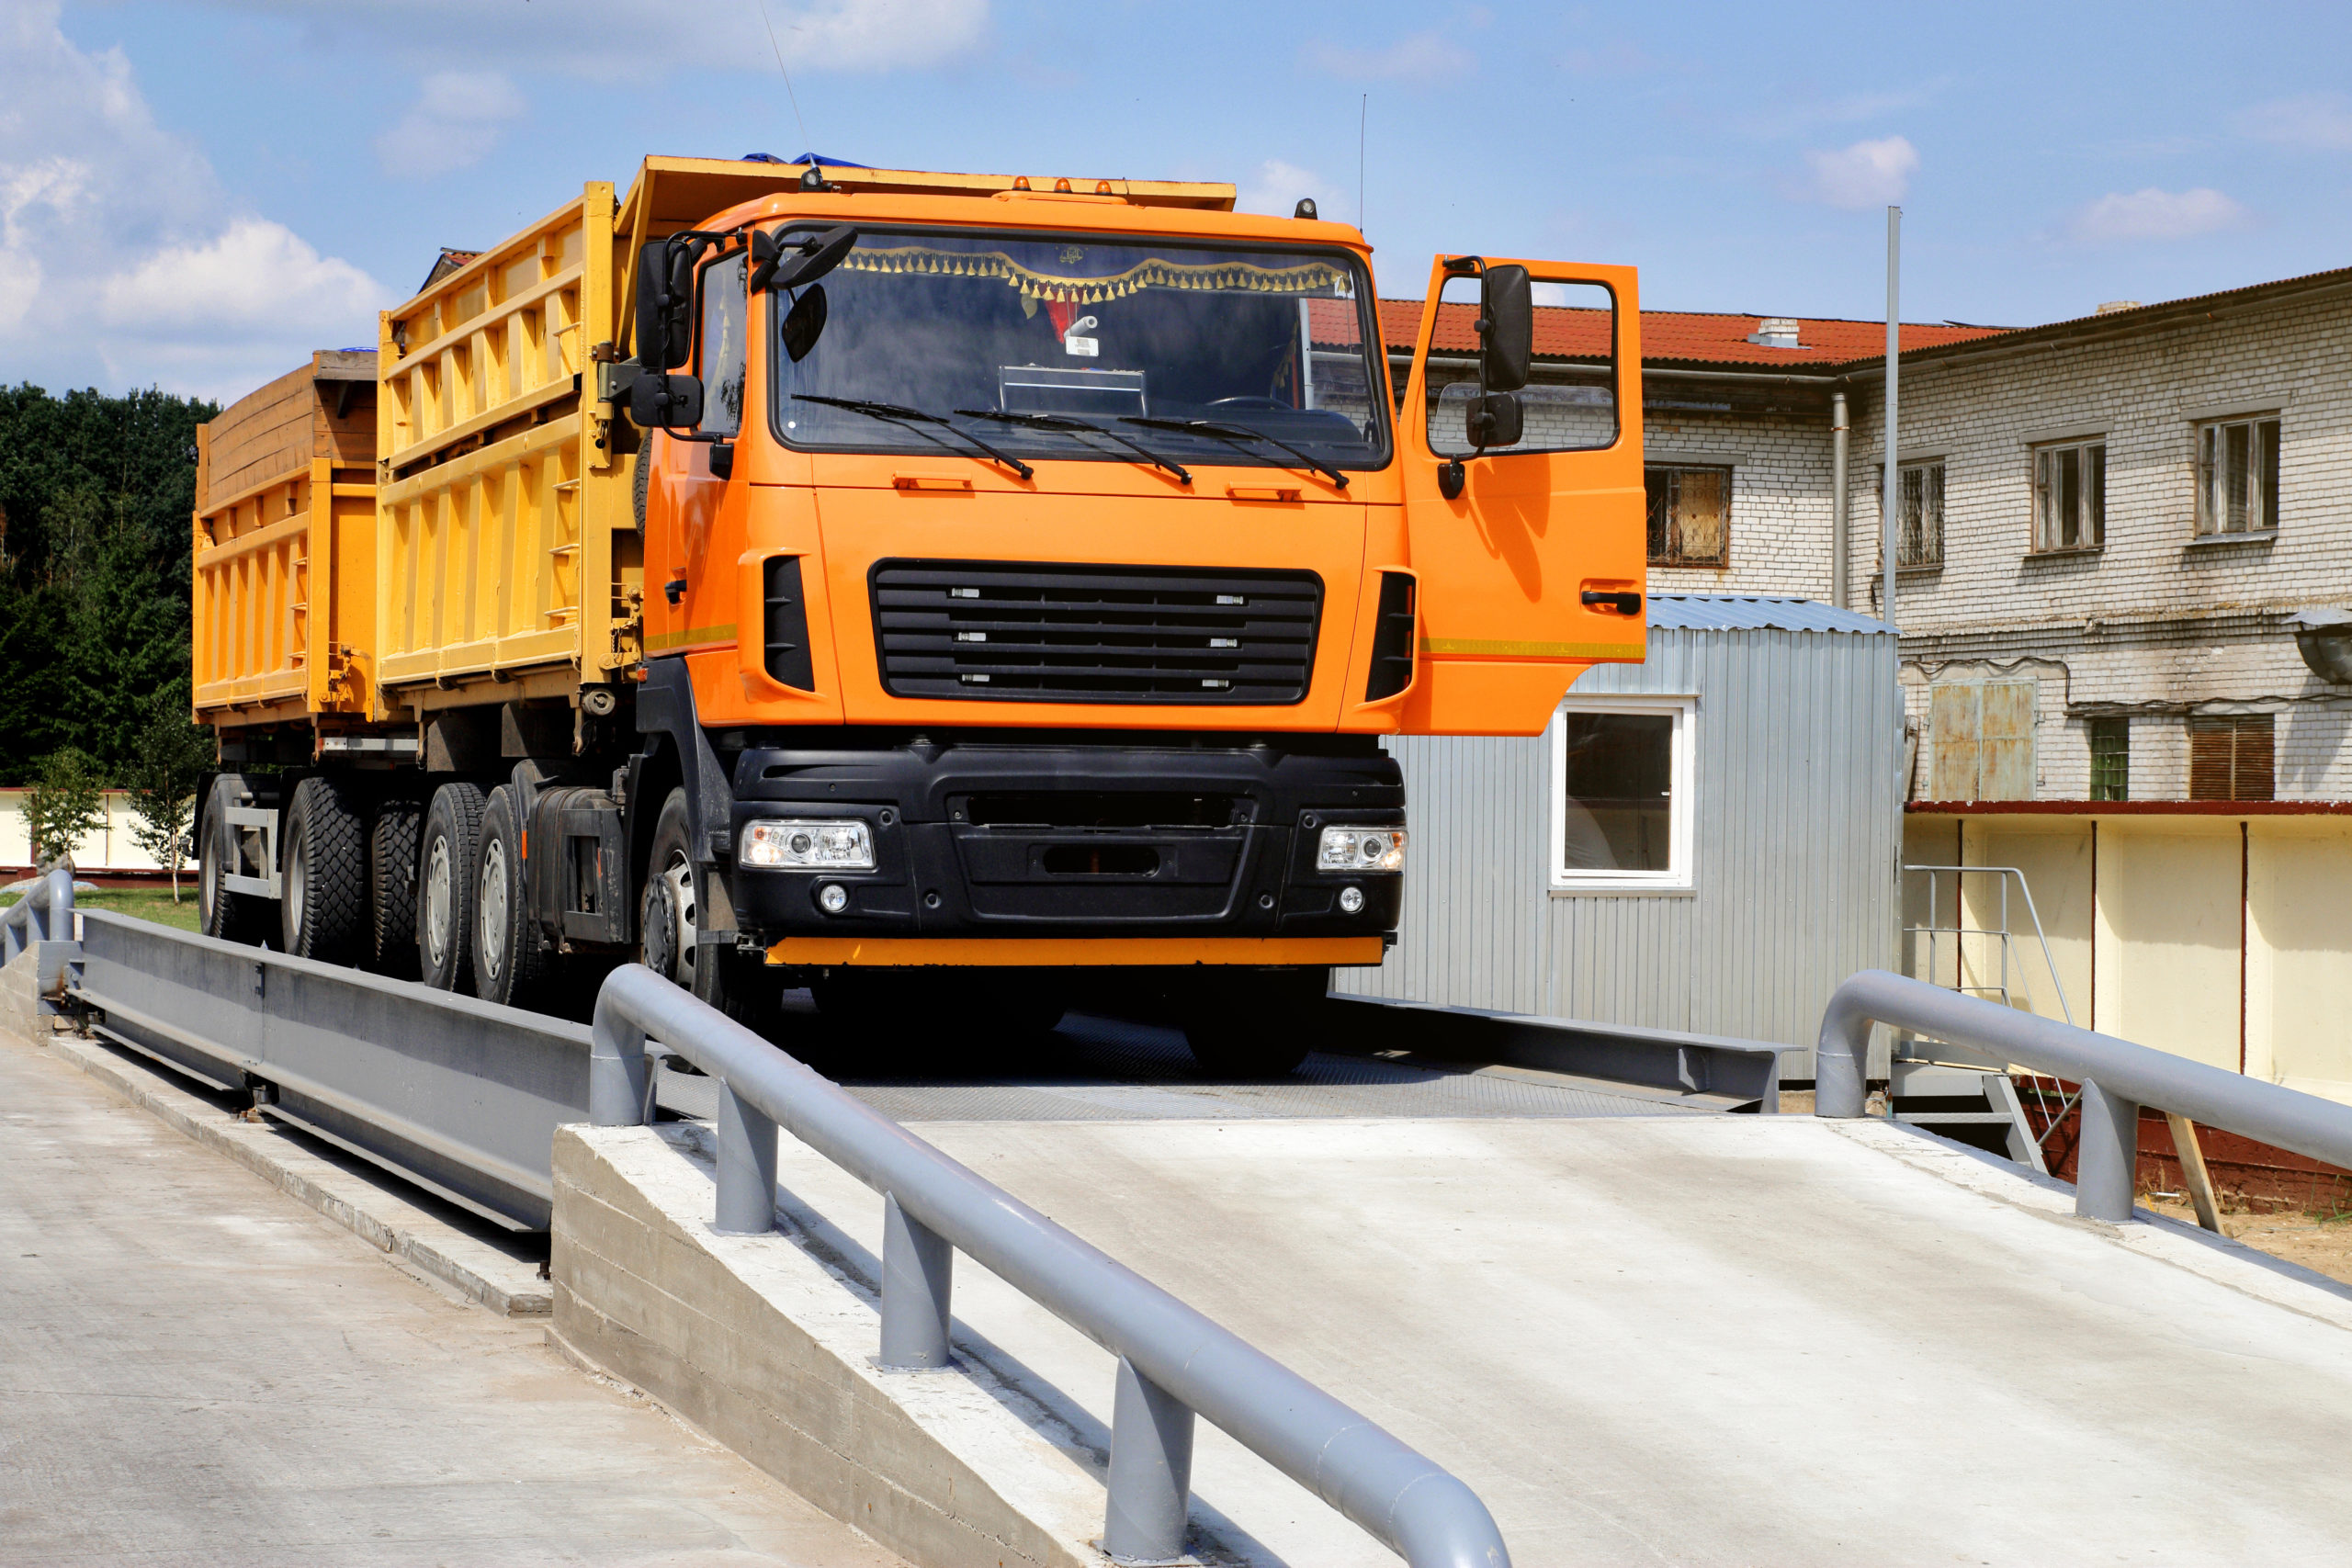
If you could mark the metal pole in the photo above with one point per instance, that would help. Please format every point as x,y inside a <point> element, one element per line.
<point>2107,1159</point>
<point>746,1166</point>
<point>1841,543</point>
<point>1151,1471</point>
<point>918,1277</point>
<point>617,1071</point>
<point>1890,482</point>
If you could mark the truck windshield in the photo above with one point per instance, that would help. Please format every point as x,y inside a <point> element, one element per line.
<point>974,327</point>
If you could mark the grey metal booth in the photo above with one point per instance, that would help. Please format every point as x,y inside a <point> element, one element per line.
<point>1759,870</point>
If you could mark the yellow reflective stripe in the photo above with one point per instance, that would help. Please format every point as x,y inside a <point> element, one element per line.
<point>691,634</point>
<point>1482,648</point>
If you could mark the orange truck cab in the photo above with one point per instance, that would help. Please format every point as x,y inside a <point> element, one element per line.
<point>1025,574</point>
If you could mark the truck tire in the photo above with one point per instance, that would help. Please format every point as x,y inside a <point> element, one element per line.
<point>449,869</point>
<point>508,959</point>
<point>391,887</point>
<point>1255,1024</point>
<point>324,908</point>
<point>669,916</point>
<point>231,917</point>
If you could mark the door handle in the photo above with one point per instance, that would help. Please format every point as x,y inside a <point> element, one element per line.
<point>1623,603</point>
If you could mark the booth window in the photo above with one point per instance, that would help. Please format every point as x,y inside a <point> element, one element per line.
<point>1621,784</point>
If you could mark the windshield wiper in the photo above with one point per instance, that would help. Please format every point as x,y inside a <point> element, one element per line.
<point>1064,422</point>
<point>898,414</point>
<point>1237,433</point>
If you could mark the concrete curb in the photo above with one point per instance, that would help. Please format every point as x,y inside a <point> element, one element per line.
<point>371,1207</point>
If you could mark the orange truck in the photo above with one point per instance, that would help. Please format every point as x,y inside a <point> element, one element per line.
<point>927,589</point>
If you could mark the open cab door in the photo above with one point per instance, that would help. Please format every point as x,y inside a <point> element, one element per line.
<point>1524,516</point>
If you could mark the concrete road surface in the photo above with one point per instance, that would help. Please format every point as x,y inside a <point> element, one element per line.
<point>194,1369</point>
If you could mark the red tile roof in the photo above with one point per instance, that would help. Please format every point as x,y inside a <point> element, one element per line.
<point>1669,337</point>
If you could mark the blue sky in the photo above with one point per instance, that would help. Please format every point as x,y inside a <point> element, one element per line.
<point>194,194</point>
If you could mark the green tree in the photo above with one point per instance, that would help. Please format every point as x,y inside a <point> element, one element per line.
<point>65,803</point>
<point>172,753</point>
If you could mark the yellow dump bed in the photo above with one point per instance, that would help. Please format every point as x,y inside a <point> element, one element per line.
<point>285,530</point>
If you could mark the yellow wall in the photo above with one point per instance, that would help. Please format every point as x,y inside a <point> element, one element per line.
<point>2170,932</point>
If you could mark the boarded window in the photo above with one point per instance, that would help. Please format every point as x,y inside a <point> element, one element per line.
<point>2229,757</point>
<point>2237,476</point>
<point>1983,739</point>
<point>2070,497</point>
<point>2111,759</point>
<point>1690,517</point>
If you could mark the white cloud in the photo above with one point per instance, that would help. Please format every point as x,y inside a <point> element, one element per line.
<point>256,276</point>
<point>2154,214</point>
<point>2317,122</point>
<point>1275,187</point>
<point>453,125</point>
<point>1867,174</point>
<point>623,40</point>
<point>1425,57</point>
<point>122,262</point>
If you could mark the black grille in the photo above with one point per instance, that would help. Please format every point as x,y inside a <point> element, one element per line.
<point>1022,632</point>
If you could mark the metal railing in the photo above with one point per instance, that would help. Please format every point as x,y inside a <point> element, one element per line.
<point>2117,1078</point>
<point>1174,1363</point>
<point>42,920</point>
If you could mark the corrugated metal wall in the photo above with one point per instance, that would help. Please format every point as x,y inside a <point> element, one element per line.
<point>1797,742</point>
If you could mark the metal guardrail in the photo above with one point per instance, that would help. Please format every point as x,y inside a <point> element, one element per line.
<point>459,1095</point>
<point>43,920</point>
<point>1173,1362</point>
<point>2118,1077</point>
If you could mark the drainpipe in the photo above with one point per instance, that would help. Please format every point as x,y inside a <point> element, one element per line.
<point>1841,543</point>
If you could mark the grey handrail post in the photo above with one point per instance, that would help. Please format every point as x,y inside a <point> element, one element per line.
<point>746,1166</point>
<point>2106,1159</point>
<point>1151,1471</point>
<point>918,1277</point>
<point>617,1071</point>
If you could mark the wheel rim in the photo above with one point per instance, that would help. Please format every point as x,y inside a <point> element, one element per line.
<point>297,889</point>
<point>680,875</point>
<point>208,882</point>
<point>437,879</point>
<point>490,928</point>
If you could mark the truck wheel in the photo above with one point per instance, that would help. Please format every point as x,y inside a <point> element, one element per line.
<point>448,862</point>
<point>508,960</point>
<point>325,906</point>
<point>670,914</point>
<point>231,917</point>
<point>1254,1025</point>
<point>391,883</point>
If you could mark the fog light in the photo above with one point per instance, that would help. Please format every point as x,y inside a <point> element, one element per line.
<point>832,897</point>
<point>839,844</point>
<point>1360,849</point>
<point>1351,900</point>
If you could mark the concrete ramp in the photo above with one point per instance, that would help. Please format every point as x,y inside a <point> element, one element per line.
<point>1642,1339</point>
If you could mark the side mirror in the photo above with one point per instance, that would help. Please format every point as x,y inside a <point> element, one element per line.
<point>659,401</point>
<point>1495,420</point>
<point>803,322</point>
<point>1507,329</point>
<point>776,267</point>
<point>664,321</point>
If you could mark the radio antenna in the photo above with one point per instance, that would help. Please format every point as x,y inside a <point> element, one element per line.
<point>1364,113</point>
<point>807,146</point>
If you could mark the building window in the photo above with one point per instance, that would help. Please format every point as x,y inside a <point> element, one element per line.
<point>2237,477</point>
<point>2111,759</point>
<point>1621,795</point>
<point>1919,514</point>
<point>2229,757</point>
<point>1690,517</point>
<point>2070,497</point>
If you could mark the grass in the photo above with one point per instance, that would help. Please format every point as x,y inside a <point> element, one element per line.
<point>146,904</point>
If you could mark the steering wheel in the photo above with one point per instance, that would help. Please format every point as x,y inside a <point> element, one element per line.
<point>1274,403</point>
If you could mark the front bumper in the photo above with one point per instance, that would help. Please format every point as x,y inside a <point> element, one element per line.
<point>1212,846</point>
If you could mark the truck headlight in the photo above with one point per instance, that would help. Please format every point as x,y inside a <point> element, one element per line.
<point>833,844</point>
<point>1360,849</point>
